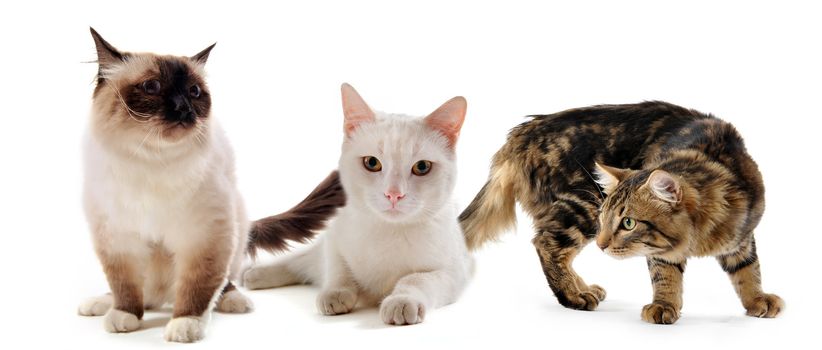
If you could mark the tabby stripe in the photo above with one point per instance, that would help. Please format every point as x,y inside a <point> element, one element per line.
<point>679,266</point>
<point>740,265</point>
<point>671,239</point>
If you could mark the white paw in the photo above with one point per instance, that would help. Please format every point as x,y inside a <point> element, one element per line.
<point>336,301</point>
<point>267,276</point>
<point>234,302</point>
<point>95,306</point>
<point>117,321</point>
<point>185,329</point>
<point>401,310</point>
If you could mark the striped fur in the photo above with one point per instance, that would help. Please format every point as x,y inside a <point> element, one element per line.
<point>549,165</point>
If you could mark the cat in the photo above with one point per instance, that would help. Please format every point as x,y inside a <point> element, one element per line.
<point>396,242</point>
<point>167,221</point>
<point>697,193</point>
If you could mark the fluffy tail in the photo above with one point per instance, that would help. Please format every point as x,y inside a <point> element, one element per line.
<point>300,223</point>
<point>492,210</point>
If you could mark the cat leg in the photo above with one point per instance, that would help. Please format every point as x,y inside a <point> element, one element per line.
<point>742,267</point>
<point>418,292</point>
<point>340,292</point>
<point>298,268</point>
<point>667,281</point>
<point>124,277</point>
<point>232,301</point>
<point>202,271</point>
<point>562,231</point>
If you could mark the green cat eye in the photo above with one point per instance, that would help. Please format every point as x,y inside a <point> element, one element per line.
<point>371,163</point>
<point>421,168</point>
<point>628,223</point>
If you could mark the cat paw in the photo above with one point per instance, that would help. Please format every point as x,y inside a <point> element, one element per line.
<point>336,301</point>
<point>660,312</point>
<point>765,306</point>
<point>184,330</point>
<point>585,300</point>
<point>402,310</point>
<point>598,291</point>
<point>234,302</point>
<point>95,306</point>
<point>118,321</point>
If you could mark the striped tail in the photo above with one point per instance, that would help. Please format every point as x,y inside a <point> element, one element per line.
<point>492,211</point>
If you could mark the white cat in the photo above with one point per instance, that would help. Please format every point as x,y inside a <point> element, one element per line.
<point>397,241</point>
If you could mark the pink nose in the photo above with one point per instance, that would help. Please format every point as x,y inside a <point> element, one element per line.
<point>394,197</point>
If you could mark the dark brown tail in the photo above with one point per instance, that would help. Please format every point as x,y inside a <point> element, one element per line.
<point>301,223</point>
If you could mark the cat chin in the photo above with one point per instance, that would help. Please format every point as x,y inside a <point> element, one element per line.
<point>178,132</point>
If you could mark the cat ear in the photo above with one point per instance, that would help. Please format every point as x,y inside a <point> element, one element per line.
<point>202,57</point>
<point>355,110</point>
<point>665,186</point>
<point>448,119</point>
<point>609,177</point>
<point>107,55</point>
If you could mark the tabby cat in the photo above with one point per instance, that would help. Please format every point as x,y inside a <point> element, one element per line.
<point>696,192</point>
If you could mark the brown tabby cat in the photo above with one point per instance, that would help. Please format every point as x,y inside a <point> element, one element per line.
<point>697,193</point>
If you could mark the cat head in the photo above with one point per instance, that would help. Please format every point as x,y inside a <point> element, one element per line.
<point>644,213</point>
<point>145,101</point>
<point>401,168</point>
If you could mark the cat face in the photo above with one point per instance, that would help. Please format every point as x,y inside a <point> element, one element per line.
<point>643,214</point>
<point>400,168</point>
<point>146,101</point>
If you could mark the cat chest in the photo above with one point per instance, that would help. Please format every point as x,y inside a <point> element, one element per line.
<point>146,211</point>
<point>378,266</point>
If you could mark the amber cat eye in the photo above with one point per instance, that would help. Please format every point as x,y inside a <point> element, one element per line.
<point>151,87</point>
<point>628,223</point>
<point>371,163</point>
<point>421,168</point>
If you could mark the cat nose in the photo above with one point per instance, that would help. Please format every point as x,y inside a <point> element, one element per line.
<point>182,105</point>
<point>394,196</point>
<point>603,244</point>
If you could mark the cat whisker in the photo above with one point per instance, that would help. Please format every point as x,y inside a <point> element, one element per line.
<point>140,146</point>
<point>143,117</point>
<point>596,184</point>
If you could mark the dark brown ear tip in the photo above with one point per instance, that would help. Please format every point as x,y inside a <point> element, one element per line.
<point>94,33</point>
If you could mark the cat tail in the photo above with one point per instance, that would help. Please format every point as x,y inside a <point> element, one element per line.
<point>300,223</point>
<point>492,211</point>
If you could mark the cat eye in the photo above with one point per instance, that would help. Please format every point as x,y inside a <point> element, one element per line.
<point>421,168</point>
<point>194,91</point>
<point>372,164</point>
<point>628,224</point>
<point>151,87</point>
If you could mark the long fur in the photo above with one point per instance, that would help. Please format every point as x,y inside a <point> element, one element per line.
<point>492,211</point>
<point>300,223</point>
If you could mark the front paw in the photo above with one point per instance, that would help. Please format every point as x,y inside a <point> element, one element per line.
<point>583,300</point>
<point>660,312</point>
<point>336,301</point>
<point>598,291</point>
<point>118,321</point>
<point>765,306</point>
<point>184,330</point>
<point>401,310</point>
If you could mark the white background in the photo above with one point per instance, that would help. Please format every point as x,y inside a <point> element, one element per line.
<point>275,76</point>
